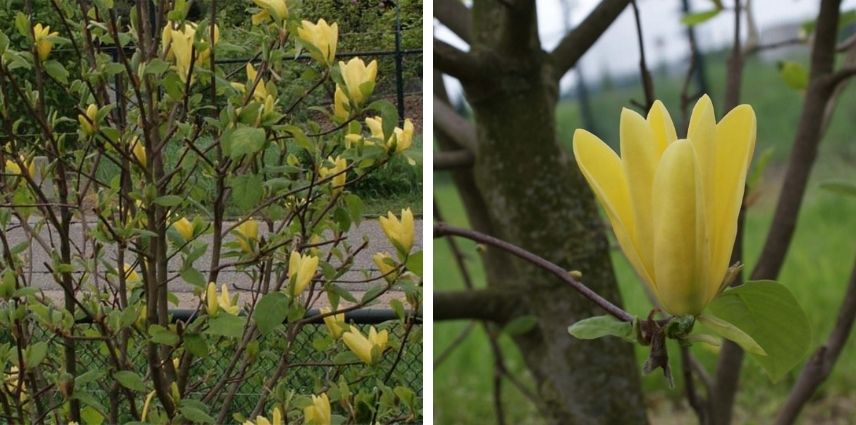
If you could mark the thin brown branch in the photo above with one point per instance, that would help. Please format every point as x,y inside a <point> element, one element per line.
<point>442,229</point>
<point>647,81</point>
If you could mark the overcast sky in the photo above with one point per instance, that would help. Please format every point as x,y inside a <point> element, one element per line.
<point>616,52</point>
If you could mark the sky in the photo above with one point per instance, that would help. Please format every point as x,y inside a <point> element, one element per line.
<point>616,51</point>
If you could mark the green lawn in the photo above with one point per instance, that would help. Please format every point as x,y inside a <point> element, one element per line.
<point>816,270</point>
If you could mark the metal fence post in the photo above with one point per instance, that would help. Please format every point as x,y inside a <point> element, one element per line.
<point>399,77</point>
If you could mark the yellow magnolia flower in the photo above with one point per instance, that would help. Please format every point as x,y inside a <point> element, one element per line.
<point>362,346</point>
<point>12,167</point>
<point>276,416</point>
<point>401,139</point>
<point>178,43</point>
<point>11,383</point>
<point>215,303</point>
<point>139,151</point>
<point>386,269</point>
<point>247,231</point>
<point>340,105</point>
<point>673,204</point>
<point>275,9</point>
<point>335,323</point>
<point>358,77</point>
<point>89,122</point>
<point>131,276</point>
<point>42,40</point>
<point>321,36</point>
<point>318,413</point>
<point>301,270</point>
<point>400,232</point>
<point>338,171</point>
<point>260,92</point>
<point>184,228</point>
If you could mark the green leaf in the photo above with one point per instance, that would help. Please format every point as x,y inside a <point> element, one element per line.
<point>162,335</point>
<point>91,416</point>
<point>196,415</point>
<point>193,277</point>
<point>270,312</point>
<point>22,24</point>
<point>156,66</point>
<point>168,200</point>
<point>244,141</point>
<point>520,325</point>
<point>56,71</point>
<point>601,326</point>
<point>841,188</point>
<point>733,333</point>
<point>794,75</point>
<point>130,380</point>
<point>769,313</point>
<point>196,345</point>
<point>226,325</point>
<point>35,353</point>
<point>414,263</point>
<point>247,190</point>
<point>700,17</point>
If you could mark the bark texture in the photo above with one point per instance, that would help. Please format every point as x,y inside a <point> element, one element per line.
<point>534,196</point>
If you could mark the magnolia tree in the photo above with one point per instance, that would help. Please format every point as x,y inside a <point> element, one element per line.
<point>174,169</point>
<point>674,200</point>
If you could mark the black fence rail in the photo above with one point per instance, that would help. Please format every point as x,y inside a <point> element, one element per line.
<point>306,362</point>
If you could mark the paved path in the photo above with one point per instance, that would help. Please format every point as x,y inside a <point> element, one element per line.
<point>369,230</point>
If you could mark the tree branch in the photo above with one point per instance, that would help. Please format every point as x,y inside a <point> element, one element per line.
<point>805,145</point>
<point>452,125</point>
<point>455,16</point>
<point>442,229</point>
<point>820,365</point>
<point>578,41</point>
<point>446,160</point>
<point>453,61</point>
<point>488,304</point>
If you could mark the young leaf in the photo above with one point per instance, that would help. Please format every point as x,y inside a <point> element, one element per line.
<point>271,311</point>
<point>130,380</point>
<point>227,325</point>
<point>697,18</point>
<point>733,333</point>
<point>520,325</point>
<point>769,313</point>
<point>601,326</point>
<point>842,188</point>
<point>414,263</point>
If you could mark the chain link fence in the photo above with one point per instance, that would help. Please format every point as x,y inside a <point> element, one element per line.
<point>306,363</point>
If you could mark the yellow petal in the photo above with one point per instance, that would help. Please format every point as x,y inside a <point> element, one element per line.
<point>604,172</point>
<point>679,231</point>
<point>358,344</point>
<point>701,133</point>
<point>639,157</point>
<point>662,127</point>
<point>734,147</point>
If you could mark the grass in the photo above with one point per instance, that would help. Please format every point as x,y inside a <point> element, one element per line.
<point>816,269</point>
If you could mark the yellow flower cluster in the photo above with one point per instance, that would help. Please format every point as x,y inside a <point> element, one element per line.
<point>363,346</point>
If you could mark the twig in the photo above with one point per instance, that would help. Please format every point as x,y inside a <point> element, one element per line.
<point>442,229</point>
<point>647,82</point>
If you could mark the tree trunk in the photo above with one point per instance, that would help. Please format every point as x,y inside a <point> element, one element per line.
<point>536,198</point>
